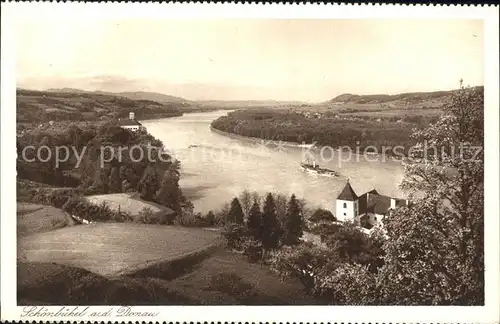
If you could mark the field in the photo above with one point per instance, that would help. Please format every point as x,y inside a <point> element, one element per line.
<point>124,263</point>
<point>126,203</point>
<point>33,218</point>
<point>111,249</point>
<point>396,112</point>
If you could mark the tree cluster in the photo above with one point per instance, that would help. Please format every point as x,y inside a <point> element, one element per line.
<point>155,179</point>
<point>255,228</point>
<point>329,130</point>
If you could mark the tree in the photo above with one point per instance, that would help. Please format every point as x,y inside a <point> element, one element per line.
<point>351,245</point>
<point>270,233</point>
<point>254,222</point>
<point>149,184</point>
<point>235,214</point>
<point>294,223</point>
<point>438,257</point>
<point>246,201</point>
<point>210,217</point>
<point>170,193</point>
<point>304,262</point>
<point>115,184</point>
<point>281,202</point>
<point>101,181</point>
<point>256,197</point>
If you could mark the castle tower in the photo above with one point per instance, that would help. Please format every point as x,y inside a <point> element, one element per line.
<point>346,204</point>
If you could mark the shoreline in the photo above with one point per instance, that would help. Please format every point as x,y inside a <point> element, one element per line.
<point>385,157</point>
<point>257,139</point>
<point>297,145</point>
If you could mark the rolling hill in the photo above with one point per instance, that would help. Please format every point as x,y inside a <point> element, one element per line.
<point>133,95</point>
<point>78,105</point>
<point>409,97</point>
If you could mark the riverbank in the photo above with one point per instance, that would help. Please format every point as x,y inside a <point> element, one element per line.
<point>260,140</point>
<point>384,157</point>
<point>381,136</point>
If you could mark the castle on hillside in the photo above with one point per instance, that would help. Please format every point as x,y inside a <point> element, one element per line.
<point>366,210</point>
<point>131,123</point>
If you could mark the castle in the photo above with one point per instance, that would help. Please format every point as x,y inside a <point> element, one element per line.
<point>366,210</point>
<point>131,123</point>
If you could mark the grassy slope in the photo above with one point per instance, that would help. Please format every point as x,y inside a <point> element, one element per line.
<point>33,218</point>
<point>127,203</point>
<point>49,283</point>
<point>265,287</point>
<point>113,264</point>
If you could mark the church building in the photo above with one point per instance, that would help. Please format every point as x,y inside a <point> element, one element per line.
<point>366,210</point>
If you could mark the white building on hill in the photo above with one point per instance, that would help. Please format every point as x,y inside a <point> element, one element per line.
<point>131,123</point>
<point>366,210</point>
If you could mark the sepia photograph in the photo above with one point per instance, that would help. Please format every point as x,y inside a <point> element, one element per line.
<point>256,162</point>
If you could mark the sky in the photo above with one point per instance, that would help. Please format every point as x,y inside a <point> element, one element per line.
<point>302,60</point>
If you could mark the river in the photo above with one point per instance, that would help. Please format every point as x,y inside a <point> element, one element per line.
<point>219,167</point>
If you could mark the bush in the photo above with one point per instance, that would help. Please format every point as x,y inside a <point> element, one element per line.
<point>231,284</point>
<point>322,215</point>
<point>84,209</point>
<point>252,249</point>
<point>58,199</point>
<point>192,220</point>
<point>234,235</point>
<point>147,216</point>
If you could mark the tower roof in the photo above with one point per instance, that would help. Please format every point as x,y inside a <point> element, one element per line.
<point>347,193</point>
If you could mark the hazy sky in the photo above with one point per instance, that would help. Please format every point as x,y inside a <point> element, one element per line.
<point>310,60</point>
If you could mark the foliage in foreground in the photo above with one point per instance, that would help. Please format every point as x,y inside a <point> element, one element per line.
<point>433,250</point>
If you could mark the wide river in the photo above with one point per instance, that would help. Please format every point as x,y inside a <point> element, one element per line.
<point>219,167</point>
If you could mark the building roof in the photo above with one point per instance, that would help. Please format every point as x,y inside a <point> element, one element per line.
<point>347,193</point>
<point>129,122</point>
<point>375,203</point>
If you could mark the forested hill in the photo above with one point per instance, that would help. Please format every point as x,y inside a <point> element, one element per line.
<point>409,97</point>
<point>44,106</point>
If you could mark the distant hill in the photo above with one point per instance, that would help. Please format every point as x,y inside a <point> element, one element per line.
<point>154,96</point>
<point>247,103</point>
<point>134,95</point>
<point>410,97</point>
<point>184,104</point>
<point>79,105</point>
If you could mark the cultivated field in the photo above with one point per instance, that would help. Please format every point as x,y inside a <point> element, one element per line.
<point>111,249</point>
<point>397,112</point>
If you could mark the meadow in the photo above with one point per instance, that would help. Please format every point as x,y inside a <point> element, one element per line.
<point>110,249</point>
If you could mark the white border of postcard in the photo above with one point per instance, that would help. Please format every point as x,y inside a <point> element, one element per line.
<point>12,12</point>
